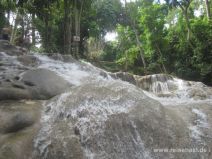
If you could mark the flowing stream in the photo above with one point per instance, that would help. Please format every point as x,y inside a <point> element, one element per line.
<point>100,117</point>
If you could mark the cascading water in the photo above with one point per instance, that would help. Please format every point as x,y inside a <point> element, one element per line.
<point>173,90</point>
<point>104,118</point>
<point>98,116</point>
<point>89,114</point>
<point>10,63</point>
<point>159,87</point>
<point>83,115</point>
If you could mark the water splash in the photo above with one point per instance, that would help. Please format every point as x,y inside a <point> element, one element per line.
<point>159,87</point>
<point>90,114</point>
<point>200,123</point>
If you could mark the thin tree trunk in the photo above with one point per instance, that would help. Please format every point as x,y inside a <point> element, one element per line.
<point>14,29</point>
<point>160,54</point>
<point>33,29</point>
<point>67,27</point>
<point>76,22</point>
<point>8,15</point>
<point>187,24</point>
<point>27,30</point>
<point>207,6</point>
<point>140,47</point>
<point>77,15</point>
<point>185,13</point>
<point>126,56</point>
<point>46,38</point>
<point>126,62</point>
<point>22,27</point>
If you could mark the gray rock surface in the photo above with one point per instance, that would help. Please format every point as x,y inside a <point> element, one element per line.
<point>28,60</point>
<point>145,82</point>
<point>10,49</point>
<point>21,79</point>
<point>125,76</point>
<point>19,124</point>
<point>44,84</point>
<point>33,84</point>
<point>98,118</point>
<point>118,121</point>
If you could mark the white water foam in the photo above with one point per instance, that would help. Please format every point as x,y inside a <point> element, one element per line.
<point>69,71</point>
<point>200,123</point>
<point>90,116</point>
<point>159,87</point>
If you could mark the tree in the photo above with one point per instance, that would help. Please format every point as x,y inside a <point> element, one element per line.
<point>207,6</point>
<point>67,27</point>
<point>132,21</point>
<point>152,20</point>
<point>184,6</point>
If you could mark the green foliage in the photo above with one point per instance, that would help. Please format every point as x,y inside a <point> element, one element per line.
<point>202,55</point>
<point>130,56</point>
<point>2,17</point>
<point>105,15</point>
<point>109,51</point>
<point>168,37</point>
<point>163,33</point>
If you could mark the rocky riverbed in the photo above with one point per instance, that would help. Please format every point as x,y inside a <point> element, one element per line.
<point>54,107</point>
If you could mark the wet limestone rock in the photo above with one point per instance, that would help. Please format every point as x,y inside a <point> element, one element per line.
<point>197,93</point>
<point>18,127</point>
<point>28,60</point>
<point>11,93</point>
<point>124,76</point>
<point>114,120</point>
<point>44,83</point>
<point>32,84</point>
<point>10,49</point>
<point>146,82</point>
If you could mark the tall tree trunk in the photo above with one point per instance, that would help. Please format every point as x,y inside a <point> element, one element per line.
<point>67,27</point>
<point>46,38</point>
<point>161,57</point>
<point>14,29</point>
<point>185,13</point>
<point>2,18</point>
<point>48,29</point>
<point>77,17</point>
<point>126,55</point>
<point>22,27</point>
<point>187,23</point>
<point>207,6</point>
<point>126,62</point>
<point>140,47</point>
<point>33,29</point>
<point>76,28</point>
<point>27,29</point>
<point>8,15</point>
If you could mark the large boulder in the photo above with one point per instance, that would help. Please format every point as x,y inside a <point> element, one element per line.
<point>116,120</point>
<point>33,84</point>
<point>7,47</point>
<point>11,93</point>
<point>124,76</point>
<point>60,57</point>
<point>44,84</point>
<point>28,60</point>
<point>18,127</point>
<point>146,82</point>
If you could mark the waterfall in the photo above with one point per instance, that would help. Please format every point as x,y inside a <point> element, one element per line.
<point>102,115</point>
<point>159,87</point>
<point>86,117</point>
